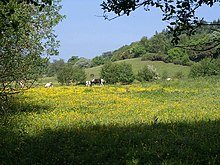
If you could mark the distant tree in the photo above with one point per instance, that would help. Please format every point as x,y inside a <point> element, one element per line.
<point>54,67</point>
<point>122,53</point>
<point>117,73</point>
<point>159,43</point>
<point>100,60</point>
<point>83,63</point>
<point>73,60</point>
<point>69,74</point>
<point>78,75</point>
<point>178,56</point>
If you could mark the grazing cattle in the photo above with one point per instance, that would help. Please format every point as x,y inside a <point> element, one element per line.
<point>21,84</point>
<point>48,85</point>
<point>97,81</point>
<point>88,83</point>
<point>169,79</point>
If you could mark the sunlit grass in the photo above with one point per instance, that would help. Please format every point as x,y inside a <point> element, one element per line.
<point>155,123</point>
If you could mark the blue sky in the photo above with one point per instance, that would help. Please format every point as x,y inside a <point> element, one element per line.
<point>84,34</point>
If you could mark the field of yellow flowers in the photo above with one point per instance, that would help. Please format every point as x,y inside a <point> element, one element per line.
<point>156,123</point>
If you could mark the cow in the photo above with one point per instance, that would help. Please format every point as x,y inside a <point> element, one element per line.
<point>97,81</point>
<point>48,85</point>
<point>88,83</point>
<point>21,83</point>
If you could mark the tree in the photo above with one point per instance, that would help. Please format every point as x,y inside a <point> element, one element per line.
<point>69,74</point>
<point>117,73</point>
<point>73,60</point>
<point>83,63</point>
<point>178,56</point>
<point>100,60</point>
<point>26,40</point>
<point>180,14</point>
<point>54,67</point>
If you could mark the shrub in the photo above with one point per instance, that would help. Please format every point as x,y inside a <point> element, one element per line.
<point>148,73</point>
<point>117,72</point>
<point>69,74</point>
<point>206,67</point>
<point>153,57</point>
<point>178,56</point>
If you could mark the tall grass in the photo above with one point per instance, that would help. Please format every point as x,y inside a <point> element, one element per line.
<point>175,122</point>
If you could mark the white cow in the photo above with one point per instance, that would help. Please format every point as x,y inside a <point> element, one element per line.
<point>48,85</point>
<point>21,84</point>
<point>88,83</point>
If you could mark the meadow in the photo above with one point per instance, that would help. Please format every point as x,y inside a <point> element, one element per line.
<point>176,122</point>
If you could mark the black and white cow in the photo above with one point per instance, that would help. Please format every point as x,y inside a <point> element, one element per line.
<point>97,81</point>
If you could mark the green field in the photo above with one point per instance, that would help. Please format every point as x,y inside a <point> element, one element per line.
<point>161,67</point>
<point>176,122</point>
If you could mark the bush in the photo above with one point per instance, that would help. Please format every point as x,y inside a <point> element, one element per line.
<point>206,67</point>
<point>69,74</point>
<point>178,56</point>
<point>152,57</point>
<point>148,73</point>
<point>117,72</point>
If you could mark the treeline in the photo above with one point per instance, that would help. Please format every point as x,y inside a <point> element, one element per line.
<point>201,51</point>
<point>190,49</point>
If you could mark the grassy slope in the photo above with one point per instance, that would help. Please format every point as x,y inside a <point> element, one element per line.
<point>137,64</point>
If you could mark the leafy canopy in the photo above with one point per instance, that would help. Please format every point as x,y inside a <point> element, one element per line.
<point>26,40</point>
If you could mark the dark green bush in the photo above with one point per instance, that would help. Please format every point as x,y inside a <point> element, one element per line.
<point>69,74</point>
<point>206,67</point>
<point>153,57</point>
<point>117,73</point>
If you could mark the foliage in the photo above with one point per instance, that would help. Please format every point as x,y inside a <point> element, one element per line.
<point>147,73</point>
<point>69,74</point>
<point>178,56</point>
<point>73,60</point>
<point>26,34</point>
<point>117,72</point>
<point>54,67</point>
<point>207,67</point>
<point>83,63</point>
<point>154,123</point>
<point>152,57</point>
<point>100,60</point>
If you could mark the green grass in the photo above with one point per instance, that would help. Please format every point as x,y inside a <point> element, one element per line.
<point>161,67</point>
<point>164,123</point>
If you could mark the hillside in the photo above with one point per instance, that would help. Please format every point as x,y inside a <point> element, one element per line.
<point>161,67</point>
